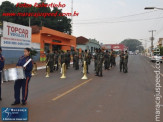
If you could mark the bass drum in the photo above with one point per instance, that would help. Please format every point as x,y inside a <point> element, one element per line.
<point>15,74</point>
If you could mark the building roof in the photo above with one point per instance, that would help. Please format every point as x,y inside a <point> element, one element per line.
<point>81,40</point>
<point>35,29</point>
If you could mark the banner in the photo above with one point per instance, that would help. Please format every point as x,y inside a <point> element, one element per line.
<point>15,35</point>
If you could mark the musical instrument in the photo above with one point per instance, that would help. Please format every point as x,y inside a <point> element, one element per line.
<point>13,74</point>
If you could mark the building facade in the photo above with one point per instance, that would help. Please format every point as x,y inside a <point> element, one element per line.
<point>87,44</point>
<point>115,47</point>
<point>52,40</point>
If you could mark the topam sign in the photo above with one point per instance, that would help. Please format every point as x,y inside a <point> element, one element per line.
<point>15,35</point>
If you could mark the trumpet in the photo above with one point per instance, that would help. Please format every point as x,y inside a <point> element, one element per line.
<point>84,71</point>
<point>63,70</point>
<point>47,69</point>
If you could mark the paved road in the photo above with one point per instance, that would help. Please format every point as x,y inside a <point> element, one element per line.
<point>116,97</point>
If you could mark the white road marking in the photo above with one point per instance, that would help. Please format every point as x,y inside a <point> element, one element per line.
<point>161,105</point>
<point>152,66</point>
<point>161,74</point>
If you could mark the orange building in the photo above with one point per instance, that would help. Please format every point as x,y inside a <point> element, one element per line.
<point>52,39</point>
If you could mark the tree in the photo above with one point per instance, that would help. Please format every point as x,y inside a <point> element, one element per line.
<point>133,44</point>
<point>59,23</point>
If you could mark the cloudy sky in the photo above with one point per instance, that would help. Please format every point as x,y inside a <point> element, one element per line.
<point>111,21</point>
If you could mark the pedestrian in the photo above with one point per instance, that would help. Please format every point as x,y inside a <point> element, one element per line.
<point>56,57</point>
<point>86,58</point>
<point>51,61</point>
<point>73,55</point>
<point>95,59</point>
<point>126,62</point>
<point>23,83</point>
<point>2,62</point>
<point>122,61</point>
<point>109,58</point>
<point>89,57</point>
<point>68,57</point>
<point>76,59</point>
<point>106,60</point>
<point>100,60</point>
<point>113,58</point>
<point>62,58</point>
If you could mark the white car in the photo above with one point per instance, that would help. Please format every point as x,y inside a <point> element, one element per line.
<point>158,58</point>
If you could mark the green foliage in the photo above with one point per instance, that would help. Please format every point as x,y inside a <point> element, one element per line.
<point>133,44</point>
<point>33,53</point>
<point>161,51</point>
<point>60,23</point>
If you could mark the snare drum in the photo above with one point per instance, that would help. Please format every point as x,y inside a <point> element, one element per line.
<point>13,74</point>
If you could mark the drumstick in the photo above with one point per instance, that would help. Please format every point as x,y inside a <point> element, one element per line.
<point>27,62</point>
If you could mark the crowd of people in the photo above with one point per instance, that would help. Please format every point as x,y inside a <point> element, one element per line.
<point>55,60</point>
<point>100,57</point>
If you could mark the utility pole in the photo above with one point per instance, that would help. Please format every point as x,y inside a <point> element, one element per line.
<point>152,39</point>
<point>29,21</point>
<point>71,17</point>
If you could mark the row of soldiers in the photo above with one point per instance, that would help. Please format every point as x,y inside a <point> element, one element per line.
<point>56,58</point>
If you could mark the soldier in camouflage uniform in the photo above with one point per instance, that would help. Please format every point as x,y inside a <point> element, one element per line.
<point>89,57</point>
<point>62,58</point>
<point>86,58</point>
<point>95,60</point>
<point>73,55</point>
<point>100,59</point>
<point>56,58</point>
<point>76,59</point>
<point>82,58</point>
<point>126,62</point>
<point>68,58</point>
<point>50,60</point>
<point>106,60</point>
<point>122,61</point>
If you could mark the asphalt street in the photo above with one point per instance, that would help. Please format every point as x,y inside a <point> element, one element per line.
<point>115,97</point>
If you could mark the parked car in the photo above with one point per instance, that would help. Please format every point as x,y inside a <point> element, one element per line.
<point>155,57</point>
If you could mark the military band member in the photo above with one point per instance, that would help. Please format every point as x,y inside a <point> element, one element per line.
<point>2,61</point>
<point>82,58</point>
<point>69,57</point>
<point>73,55</point>
<point>62,58</point>
<point>106,60</point>
<point>122,61</point>
<point>23,83</point>
<point>126,62</point>
<point>89,57</point>
<point>95,60</point>
<point>56,58</point>
<point>76,59</point>
<point>100,60</point>
<point>50,60</point>
<point>86,58</point>
<point>113,57</point>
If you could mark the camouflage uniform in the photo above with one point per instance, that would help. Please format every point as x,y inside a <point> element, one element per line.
<point>125,63</point>
<point>100,59</point>
<point>121,62</point>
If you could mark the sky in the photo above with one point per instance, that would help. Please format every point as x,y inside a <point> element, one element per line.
<point>112,21</point>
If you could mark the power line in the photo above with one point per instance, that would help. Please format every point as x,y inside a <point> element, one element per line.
<point>121,21</point>
<point>119,17</point>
